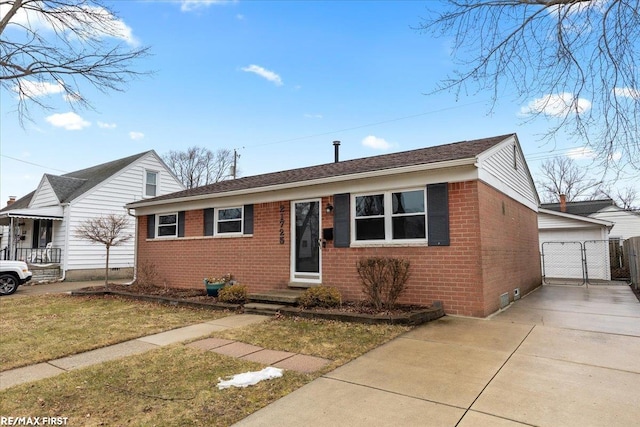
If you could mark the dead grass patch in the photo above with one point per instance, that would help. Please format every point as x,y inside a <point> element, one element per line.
<point>44,327</point>
<point>171,386</point>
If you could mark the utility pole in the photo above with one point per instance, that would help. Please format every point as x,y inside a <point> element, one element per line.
<point>235,163</point>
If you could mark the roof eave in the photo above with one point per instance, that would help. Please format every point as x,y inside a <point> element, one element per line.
<point>470,161</point>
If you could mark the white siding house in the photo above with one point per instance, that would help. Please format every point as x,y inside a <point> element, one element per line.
<point>43,223</point>
<point>626,223</point>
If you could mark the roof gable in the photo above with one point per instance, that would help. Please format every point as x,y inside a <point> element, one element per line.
<point>424,156</point>
<point>72,185</point>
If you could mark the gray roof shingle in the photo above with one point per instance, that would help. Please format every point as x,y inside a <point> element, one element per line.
<point>440,153</point>
<point>73,184</point>
<point>582,208</point>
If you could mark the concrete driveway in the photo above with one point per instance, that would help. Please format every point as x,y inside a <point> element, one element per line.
<point>55,288</point>
<point>561,356</point>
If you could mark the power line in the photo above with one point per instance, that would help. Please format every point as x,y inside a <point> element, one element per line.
<point>33,164</point>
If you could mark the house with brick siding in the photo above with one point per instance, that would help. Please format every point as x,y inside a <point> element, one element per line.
<point>464,215</point>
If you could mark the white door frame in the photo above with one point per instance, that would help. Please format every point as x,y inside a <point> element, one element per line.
<point>310,278</point>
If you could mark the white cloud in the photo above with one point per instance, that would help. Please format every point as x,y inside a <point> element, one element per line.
<point>34,89</point>
<point>68,121</point>
<point>240,17</point>
<point>615,156</point>
<point>376,143</point>
<point>313,116</point>
<point>103,125</point>
<point>262,72</point>
<point>136,135</point>
<point>105,26</point>
<point>191,5</point>
<point>557,105</point>
<point>627,92</point>
<point>581,153</point>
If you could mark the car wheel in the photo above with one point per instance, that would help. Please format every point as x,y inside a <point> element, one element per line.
<point>8,284</point>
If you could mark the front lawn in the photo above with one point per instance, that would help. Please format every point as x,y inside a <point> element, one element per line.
<point>44,327</point>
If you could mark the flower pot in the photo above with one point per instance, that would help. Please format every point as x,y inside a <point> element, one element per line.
<point>213,287</point>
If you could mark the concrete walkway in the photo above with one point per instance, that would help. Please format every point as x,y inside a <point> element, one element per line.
<point>562,356</point>
<point>279,359</point>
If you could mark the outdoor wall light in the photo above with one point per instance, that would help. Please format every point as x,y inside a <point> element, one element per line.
<point>329,208</point>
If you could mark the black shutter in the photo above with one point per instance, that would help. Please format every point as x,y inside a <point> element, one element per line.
<point>248,219</point>
<point>438,214</point>
<point>151,226</point>
<point>208,221</point>
<point>181,224</point>
<point>341,220</point>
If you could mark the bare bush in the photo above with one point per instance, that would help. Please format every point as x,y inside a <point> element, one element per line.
<point>383,280</point>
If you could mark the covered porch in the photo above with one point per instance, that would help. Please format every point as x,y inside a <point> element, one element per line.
<point>29,235</point>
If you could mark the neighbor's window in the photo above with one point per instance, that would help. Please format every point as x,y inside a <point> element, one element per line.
<point>167,225</point>
<point>229,220</point>
<point>390,216</point>
<point>151,184</point>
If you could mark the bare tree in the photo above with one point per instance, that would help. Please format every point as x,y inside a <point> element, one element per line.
<point>579,59</point>
<point>109,230</point>
<point>625,197</point>
<point>53,46</point>
<point>197,166</point>
<point>561,175</point>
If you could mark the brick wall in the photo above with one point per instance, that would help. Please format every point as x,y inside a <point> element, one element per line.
<point>259,261</point>
<point>488,247</point>
<point>510,251</point>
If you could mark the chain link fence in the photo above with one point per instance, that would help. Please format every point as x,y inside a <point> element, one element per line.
<point>590,261</point>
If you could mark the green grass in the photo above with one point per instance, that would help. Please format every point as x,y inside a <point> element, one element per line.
<point>40,328</point>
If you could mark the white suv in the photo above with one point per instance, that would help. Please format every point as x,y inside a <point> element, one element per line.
<point>12,275</point>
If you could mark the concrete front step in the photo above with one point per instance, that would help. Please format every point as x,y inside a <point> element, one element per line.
<point>277,296</point>
<point>261,308</point>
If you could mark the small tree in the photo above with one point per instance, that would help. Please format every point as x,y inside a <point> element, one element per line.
<point>108,230</point>
<point>383,279</point>
<point>561,175</point>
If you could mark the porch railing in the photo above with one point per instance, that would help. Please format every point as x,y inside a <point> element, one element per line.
<point>34,255</point>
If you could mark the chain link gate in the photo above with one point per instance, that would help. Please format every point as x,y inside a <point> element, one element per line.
<point>576,263</point>
<point>563,263</point>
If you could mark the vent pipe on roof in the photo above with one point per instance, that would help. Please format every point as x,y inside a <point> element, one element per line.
<point>563,203</point>
<point>336,151</point>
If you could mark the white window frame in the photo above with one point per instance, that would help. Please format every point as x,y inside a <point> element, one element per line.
<point>157,183</point>
<point>158,225</point>
<point>216,221</point>
<point>388,217</point>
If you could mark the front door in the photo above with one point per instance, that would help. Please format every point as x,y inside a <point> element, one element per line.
<point>306,257</point>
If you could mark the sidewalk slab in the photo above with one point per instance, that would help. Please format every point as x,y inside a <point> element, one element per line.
<point>236,349</point>
<point>100,355</point>
<point>27,374</point>
<point>268,357</point>
<point>182,334</point>
<point>477,419</point>
<point>451,374</point>
<point>326,402</point>
<point>303,363</point>
<point>209,343</point>
<point>547,392</point>
<point>239,320</point>
<point>589,348</point>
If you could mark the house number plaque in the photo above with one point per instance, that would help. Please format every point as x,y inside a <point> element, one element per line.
<point>282,224</point>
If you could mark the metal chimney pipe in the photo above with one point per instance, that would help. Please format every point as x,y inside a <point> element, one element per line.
<point>336,151</point>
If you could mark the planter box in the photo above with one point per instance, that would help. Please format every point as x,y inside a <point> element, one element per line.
<point>213,287</point>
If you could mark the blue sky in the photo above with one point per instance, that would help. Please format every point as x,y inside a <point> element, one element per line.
<point>279,81</point>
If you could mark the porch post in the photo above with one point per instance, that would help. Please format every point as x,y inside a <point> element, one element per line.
<point>9,245</point>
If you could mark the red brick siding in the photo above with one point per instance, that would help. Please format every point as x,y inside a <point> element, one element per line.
<point>509,240</point>
<point>455,274</point>
<point>259,261</point>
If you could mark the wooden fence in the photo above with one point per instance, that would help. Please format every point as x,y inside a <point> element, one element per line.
<point>632,251</point>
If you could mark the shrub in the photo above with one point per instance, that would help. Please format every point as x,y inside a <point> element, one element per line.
<point>383,279</point>
<point>235,294</point>
<point>147,274</point>
<point>321,296</point>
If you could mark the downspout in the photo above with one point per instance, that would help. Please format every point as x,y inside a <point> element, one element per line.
<point>135,249</point>
<point>65,246</point>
